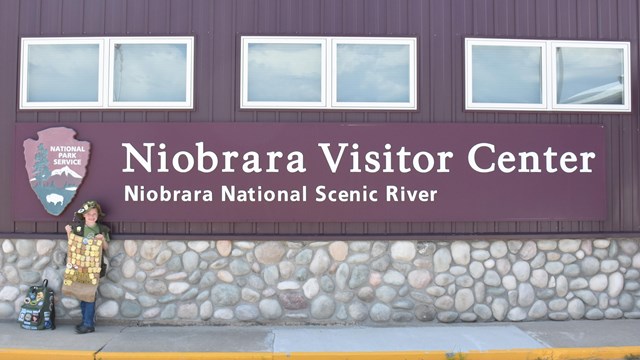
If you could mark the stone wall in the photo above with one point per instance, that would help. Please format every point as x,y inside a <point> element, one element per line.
<point>363,282</point>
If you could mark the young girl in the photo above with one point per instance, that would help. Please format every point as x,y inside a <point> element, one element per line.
<point>89,229</point>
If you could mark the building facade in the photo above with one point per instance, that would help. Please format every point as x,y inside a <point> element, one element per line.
<point>492,150</point>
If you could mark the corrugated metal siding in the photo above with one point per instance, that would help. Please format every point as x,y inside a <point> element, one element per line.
<point>439,25</point>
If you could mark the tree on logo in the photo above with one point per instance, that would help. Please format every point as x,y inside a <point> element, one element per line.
<point>41,170</point>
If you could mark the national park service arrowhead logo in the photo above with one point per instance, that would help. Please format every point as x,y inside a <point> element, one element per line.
<point>56,164</point>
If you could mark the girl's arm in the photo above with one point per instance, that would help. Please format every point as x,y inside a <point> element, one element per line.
<point>105,240</point>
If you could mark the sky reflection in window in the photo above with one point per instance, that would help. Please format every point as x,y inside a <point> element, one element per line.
<point>589,75</point>
<point>63,73</point>
<point>150,72</point>
<point>373,73</point>
<point>285,72</point>
<point>507,74</point>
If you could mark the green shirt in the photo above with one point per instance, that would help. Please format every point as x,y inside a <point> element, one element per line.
<point>84,231</point>
<point>91,232</point>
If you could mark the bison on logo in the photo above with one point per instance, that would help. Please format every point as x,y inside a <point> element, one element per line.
<point>56,164</point>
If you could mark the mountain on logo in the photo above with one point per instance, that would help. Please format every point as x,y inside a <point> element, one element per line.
<point>67,172</point>
<point>64,177</point>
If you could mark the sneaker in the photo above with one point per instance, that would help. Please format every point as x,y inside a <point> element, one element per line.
<point>82,329</point>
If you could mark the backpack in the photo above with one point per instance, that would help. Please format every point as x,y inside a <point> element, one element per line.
<point>38,311</point>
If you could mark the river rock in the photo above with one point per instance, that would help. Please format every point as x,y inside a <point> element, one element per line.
<point>323,307</point>
<point>576,309</point>
<point>499,307</point>
<point>270,252</point>
<point>403,251</point>
<point>442,260</point>
<point>464,300</point>
<point>521,270</point>
<point>616,284</point>
<point>461,252</point>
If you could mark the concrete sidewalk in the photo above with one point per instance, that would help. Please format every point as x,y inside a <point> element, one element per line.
<point>617,339</point>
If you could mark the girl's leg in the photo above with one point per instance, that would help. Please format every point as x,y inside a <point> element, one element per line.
<point>89,313</point>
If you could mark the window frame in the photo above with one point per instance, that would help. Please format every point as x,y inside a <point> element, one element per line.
<point>549,75</point>
<point>26,44</point>
<point>245,103</point>
<point>106,63</point>
<point>471,105</point>
<point>186,104</point>
<point>410,105</point>
<point>329,73</point>
<point>626,103</point>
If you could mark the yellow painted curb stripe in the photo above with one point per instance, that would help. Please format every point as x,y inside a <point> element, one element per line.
<point>184,355</point>
<point>600,353</point>
<point>46,354</point>
<point>619,352</point>
<point>391,355</point>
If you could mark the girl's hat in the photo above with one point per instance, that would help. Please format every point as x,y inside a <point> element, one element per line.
<point>91,204</point>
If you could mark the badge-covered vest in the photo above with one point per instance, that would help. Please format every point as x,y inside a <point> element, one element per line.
<point>78,229</point>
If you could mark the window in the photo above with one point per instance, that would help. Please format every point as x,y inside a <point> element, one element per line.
<point>62,73</point>
<point>111,72</point>
<point>590,77</point>
<point>547,75</point>
<point>328,73</point>
<point>288,73</point>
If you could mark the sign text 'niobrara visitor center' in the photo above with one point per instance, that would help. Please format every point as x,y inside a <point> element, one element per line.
<point>232,172</point>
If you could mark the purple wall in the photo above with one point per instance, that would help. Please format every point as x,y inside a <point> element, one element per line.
<point>440,27</point>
